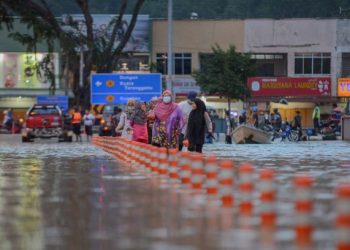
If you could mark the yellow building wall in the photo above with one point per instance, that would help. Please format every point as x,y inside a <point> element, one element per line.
<point>197,36</point>
<point>306,116</point>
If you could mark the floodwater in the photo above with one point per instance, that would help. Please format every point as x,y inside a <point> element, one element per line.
<point>75,196</point>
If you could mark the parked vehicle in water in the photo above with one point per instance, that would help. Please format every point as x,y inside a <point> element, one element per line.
<point>109,121</point>
<point>286,132</point>
<point>45,121</point>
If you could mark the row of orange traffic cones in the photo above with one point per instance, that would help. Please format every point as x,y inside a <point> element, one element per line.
<point>216,178</point>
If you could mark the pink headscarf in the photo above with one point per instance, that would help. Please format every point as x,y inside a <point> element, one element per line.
<point>163,110</point>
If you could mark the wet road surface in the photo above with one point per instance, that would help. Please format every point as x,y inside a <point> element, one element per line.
<point>75,196</point>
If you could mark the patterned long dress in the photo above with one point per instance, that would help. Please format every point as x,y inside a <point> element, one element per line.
<point>166,133</point>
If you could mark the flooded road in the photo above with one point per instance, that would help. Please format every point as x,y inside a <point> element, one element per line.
<point>75,196</point>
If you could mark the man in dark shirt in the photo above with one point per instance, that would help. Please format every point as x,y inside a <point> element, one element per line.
<point>242,118</point>
<point>297,123</point>
<point>278,119</point>
<point>115,117</point>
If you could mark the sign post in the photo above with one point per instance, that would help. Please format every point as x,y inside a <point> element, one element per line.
<point>118,88</point>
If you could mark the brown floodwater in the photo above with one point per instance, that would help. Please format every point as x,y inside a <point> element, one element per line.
<point>75,196</point>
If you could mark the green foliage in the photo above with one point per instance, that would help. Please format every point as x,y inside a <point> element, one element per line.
<point>225,73</point>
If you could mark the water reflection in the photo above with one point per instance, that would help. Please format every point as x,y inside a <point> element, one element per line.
<point>20,204</point>
<point>78,197</point>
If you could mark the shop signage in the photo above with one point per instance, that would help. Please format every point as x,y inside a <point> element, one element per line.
<point>289,86</point>
<point>118,88</point>
<point>344,87</point>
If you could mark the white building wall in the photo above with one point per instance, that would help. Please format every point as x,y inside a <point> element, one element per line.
<point>343,42</point>
<point>291,36</point>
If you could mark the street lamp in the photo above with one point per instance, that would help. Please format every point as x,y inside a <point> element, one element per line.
<point>81,67</point>
<point>164,58</point>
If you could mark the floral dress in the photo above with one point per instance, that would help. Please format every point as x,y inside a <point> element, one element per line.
<point>166,133</point>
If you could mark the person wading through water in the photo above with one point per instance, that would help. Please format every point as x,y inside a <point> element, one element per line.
<point>168,122</point>
<point>197,121</point>
<point>76,122</point>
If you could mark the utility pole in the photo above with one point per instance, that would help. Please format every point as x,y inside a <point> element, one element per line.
<point>169,81</point>
<point>81,67</point>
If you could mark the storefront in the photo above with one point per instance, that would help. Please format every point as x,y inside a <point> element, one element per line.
<point>23,77</point>
<point>290,94</point>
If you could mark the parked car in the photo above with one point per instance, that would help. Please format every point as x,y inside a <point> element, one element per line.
<point>45,121</point>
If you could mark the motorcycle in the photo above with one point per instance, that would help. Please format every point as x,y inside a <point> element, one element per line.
<point>286,132</point>
<point>13,127</point>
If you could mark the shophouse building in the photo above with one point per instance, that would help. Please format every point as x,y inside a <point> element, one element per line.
<point>194,39</point>
<point>343,62</point>
<point>298,60</point>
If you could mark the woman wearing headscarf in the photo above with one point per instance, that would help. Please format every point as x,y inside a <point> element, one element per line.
<point>168,122</point>
<point>197,122</point>
<point>124,122</point>
<point>138,122</point>
<point>150,117</point>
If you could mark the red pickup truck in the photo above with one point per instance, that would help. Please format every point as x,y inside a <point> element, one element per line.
<point>45,121</point>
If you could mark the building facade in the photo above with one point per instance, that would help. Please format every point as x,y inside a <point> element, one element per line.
<point>296,61</point>
<point>21,79</point>
<point>303,56</point>
<point>192,40</point>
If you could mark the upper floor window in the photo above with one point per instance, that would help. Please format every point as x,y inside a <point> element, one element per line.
<point>182,63</point>
<point>270,64</point>
<point>312,63</point>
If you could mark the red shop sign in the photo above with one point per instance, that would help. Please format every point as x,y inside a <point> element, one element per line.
<point>289,86</point>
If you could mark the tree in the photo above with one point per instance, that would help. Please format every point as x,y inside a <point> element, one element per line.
<point>225,73</point>
<point>101,52</point>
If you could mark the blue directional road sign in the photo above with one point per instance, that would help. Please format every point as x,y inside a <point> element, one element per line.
<point>61,101</point>
<point>118,88</point>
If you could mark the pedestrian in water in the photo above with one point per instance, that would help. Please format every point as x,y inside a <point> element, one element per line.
<point>114,118</point>
<point>88,119</point>
<point>197,122</point>
<point>255,117</point>
<point>186,108</point>
<point>168,122</point>
<point>297,124</point>
<point>138,122</point>
<point>277,119</point>
<point>76,123</point>
<point>229,128</point>
<point>267,118</point>
<point>150,117</point>
<point>124,127</point>
<point>316,115</point>
<point>242,119</point>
